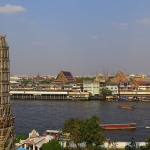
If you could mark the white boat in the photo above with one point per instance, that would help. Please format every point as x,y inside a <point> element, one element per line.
<point>57,133</point>
<point>147,127</point>
<point>53,131</point>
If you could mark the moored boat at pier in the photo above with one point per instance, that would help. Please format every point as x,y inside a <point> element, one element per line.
<point>118,126</point>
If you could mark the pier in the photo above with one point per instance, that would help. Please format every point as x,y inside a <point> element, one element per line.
<point>65,95</point>
<point>39,95</point>
<point>49,95</point>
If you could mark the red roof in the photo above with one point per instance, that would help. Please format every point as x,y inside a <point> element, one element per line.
<point>141,82</point>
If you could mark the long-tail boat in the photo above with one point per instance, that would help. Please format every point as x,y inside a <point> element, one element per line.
<point>126,107</point>
<point>118,126</point>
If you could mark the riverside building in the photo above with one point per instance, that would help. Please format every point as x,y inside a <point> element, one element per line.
<point>6,118</point>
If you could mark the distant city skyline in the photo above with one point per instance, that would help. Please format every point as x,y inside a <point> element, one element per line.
<point>80,75</point>
<point>83,37</point>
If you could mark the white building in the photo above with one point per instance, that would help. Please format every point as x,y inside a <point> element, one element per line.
<point>92,87</point>
<point>34,141</point>
<point>112,87</point>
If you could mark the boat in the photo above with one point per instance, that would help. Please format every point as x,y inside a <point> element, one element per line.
<point>147,127</point>
<point>126,107</point>
<point>118,126</point>
<point>57,134</point>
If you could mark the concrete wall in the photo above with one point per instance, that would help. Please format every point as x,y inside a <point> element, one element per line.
<point>105,145</point>
<point>121,144</point>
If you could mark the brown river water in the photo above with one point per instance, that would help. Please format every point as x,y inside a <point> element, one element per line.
<point>47,114</point>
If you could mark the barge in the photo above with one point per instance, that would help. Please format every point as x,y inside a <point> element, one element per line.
<point>118,126</point>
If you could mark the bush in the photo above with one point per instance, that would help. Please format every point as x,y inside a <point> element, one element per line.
<point>52,145</point>
<point>20,137</point>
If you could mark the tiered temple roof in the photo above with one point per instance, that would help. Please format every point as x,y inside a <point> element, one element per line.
<point>120,76</point>
<point>64,77</point>
<point>38,78</point>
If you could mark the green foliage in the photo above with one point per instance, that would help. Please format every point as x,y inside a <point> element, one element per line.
<point>26,81</point>
<point>73,126</point>
<point>20,137</point>
<point>52,145</point>
<point>88,131</point>
<point>45,82</point>
<point>127,147</point>
<point>92,132</point>
<point>67,82</point>
<point>131,146</point>
<point>105,92</point>
<point>81,79</point>
<point>70,148</point>
<point>147,144</point>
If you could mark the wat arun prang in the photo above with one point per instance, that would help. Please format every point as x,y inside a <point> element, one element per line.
<point>6,118</point>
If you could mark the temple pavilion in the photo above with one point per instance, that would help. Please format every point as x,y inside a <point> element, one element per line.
<point>64,77</point>
<point>33,142</point>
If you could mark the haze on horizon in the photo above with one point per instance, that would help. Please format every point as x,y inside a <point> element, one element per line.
<point>83,37</point>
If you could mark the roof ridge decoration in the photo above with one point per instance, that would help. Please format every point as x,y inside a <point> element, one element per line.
<point>33,134</point>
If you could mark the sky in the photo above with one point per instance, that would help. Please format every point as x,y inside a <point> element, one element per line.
<point>81,36</point>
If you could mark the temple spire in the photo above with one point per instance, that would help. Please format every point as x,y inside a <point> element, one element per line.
<point>6,118</point>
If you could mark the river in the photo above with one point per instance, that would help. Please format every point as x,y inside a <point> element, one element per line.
<point>47,114</point>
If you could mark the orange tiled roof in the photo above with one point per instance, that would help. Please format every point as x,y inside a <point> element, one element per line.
<point>120,76</point>
<point>64,77</point>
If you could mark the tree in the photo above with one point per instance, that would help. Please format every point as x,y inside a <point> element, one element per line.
<point>26,81</point>
<point>20,137</point>
<point>52,145</point>
<point>148,142</point>
<point>82,79</point>
<point>73,126</point>
<point>105,92</point>
<point>88,131</point>
<point>147,145</point>
<point>92,132</point>
<point>131,146</point>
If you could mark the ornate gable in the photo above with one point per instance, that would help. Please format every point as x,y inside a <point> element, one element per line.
<point>120,76</point>
<point>64,77</point>
<point>33,134</point>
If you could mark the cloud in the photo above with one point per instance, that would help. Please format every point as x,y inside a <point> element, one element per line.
<point>33,23</point>
<point>120,26</point>
<point>38,44</point>
<point>144,21</point>
<point>11,9</point>
<point>94,37</point>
